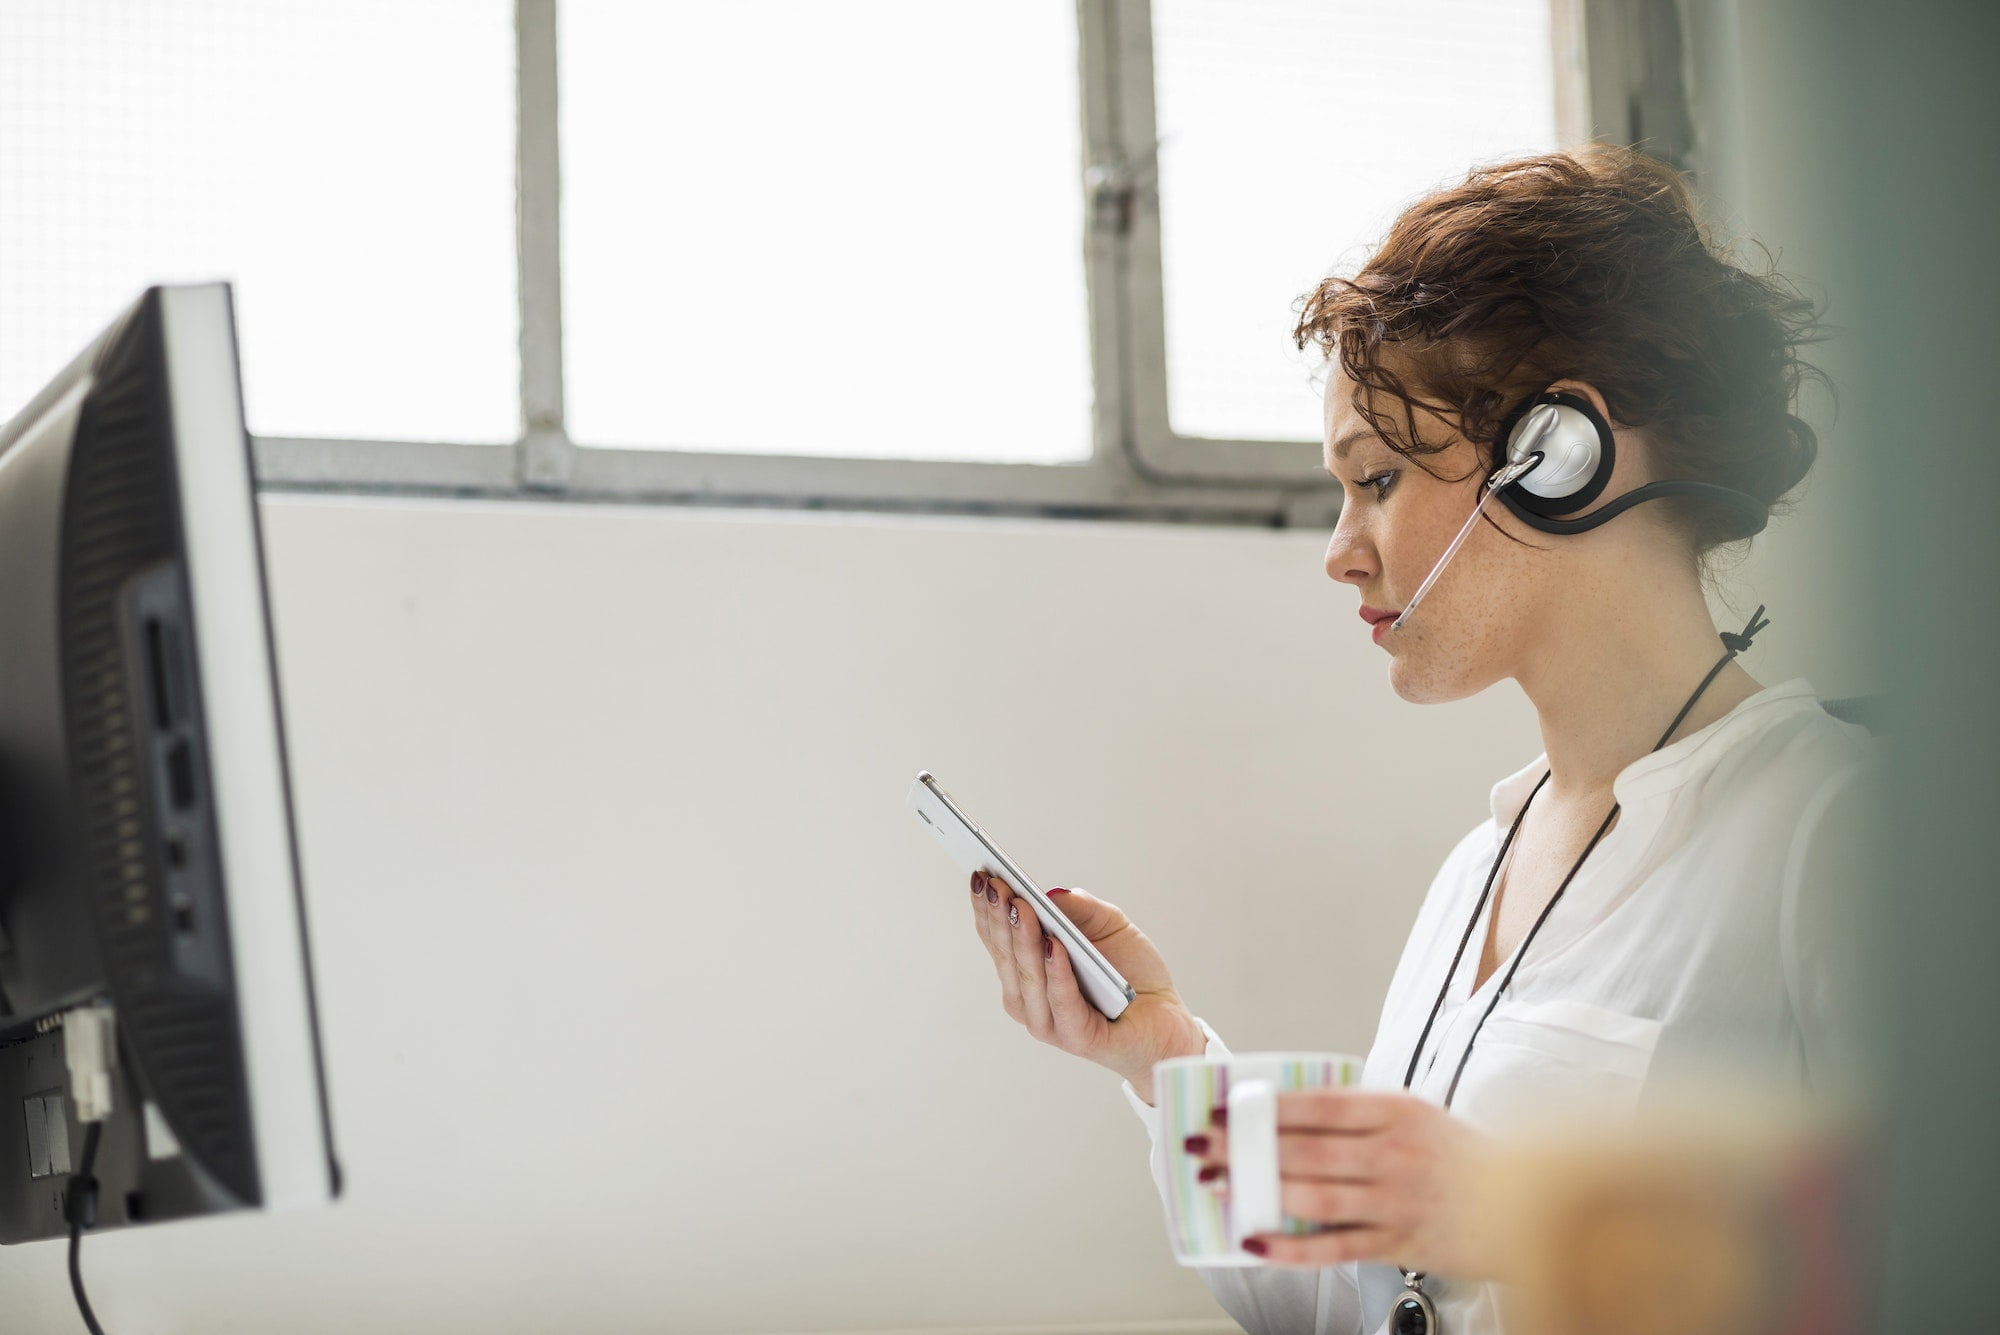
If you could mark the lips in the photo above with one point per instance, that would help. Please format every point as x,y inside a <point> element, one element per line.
<point>1375,615</point>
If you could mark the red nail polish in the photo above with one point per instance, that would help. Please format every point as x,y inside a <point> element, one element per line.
<point>1209,1173</point>
<point>1048,948</point>
<point>1218,1117</point>
<point>1058,891</point>
<point>1195,1144</point>
<point>992,895</point>
<point>1256,1246</point>
<point>978,883</point>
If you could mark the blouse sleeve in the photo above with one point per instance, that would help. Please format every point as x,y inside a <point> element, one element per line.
<point>1271,1300</point>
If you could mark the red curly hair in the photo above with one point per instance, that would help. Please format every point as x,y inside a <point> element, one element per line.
<point>1591,266</point>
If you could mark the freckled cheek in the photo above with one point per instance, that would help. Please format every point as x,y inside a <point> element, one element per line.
<point>1406,559</point>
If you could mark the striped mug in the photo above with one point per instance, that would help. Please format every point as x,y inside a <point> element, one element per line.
<point>1208,1225</point>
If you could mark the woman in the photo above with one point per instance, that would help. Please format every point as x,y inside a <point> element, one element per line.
<point>1642,899</point>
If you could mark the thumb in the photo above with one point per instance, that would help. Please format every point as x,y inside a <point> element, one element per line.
<point>1095,918</point>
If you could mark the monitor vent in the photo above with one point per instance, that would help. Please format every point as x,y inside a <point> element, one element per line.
<point>119,521</point>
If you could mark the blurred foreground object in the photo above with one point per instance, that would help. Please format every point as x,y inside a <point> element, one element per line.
<point>1754,1223</point>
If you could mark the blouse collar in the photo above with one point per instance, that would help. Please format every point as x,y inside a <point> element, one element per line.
<point>1677,763</point>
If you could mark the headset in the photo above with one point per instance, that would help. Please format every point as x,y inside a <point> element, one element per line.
<point>1556,458</point>
<point>1576,459</point>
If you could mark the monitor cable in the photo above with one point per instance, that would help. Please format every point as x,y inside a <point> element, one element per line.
<point>80,1205</point>
<point>89,1051</point>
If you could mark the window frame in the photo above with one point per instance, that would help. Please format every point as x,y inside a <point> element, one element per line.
<point>1138,468</point>
<point>1169,453</point>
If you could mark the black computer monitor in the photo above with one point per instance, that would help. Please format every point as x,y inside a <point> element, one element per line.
<point>148,873</point>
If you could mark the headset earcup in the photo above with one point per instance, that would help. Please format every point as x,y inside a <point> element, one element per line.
<point>1581,487</point>
<point>1579,457</point>
<point>1570,456</point>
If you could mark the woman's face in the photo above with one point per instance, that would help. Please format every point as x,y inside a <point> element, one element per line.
<point>1396,520</point>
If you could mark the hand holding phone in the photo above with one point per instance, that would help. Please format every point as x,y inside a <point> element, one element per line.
<point>974,852</point>
<point>1042,988</point>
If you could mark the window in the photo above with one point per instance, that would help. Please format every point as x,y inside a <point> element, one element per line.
<point>1288,144</point>
<point>1033,257</point>
<point>349,167</point>
<point>822,229</point>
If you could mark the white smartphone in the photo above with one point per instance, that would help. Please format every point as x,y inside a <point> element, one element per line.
<point>971,848</point>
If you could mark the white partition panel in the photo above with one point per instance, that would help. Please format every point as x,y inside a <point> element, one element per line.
<point>647,1006</point>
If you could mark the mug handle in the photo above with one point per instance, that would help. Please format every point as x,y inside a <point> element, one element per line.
<point>1253,1160</point>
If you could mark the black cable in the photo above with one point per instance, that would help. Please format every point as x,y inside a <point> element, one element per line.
<point>1438,1005</point>
<point>80,1205</point>
<point>1734,643</point>
<point>1521,951</point>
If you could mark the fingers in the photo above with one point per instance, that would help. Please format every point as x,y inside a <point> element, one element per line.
<point>1336,1201</point>
<point>1363,1223</point>
<point>1013,937</point>
<point>1312,1159</point>
<point>1365,1166</point>
<point>1364,1243</point>
<point>1343,1110</point>
<point>1323,1155</point>
<point>1316,1154</point>
<point>1076,1020</point>
<point>1038,985</point>
<point>984,896</point>
<point>1030,969</point>
<point>989,910</point>
<point>1327,1202</point>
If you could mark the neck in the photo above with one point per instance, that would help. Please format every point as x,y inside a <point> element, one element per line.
<point>1612,674</point>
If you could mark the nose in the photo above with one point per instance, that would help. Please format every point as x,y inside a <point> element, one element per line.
<point>1350,558</point>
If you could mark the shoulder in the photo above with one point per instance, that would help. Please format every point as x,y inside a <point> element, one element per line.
<point>1734,811</point>
<point>1785,760</point>
<point>1776,832</point>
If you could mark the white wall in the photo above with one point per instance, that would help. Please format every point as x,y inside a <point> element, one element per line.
<point>648,1006</point>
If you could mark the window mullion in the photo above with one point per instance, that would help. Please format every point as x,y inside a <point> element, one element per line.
<point>1143,340</point>
<point>1157,453</point>
<point>1106,211</point>
<point>546,457</point>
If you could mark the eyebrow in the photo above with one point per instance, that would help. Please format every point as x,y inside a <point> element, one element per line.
<point>1345,444</point>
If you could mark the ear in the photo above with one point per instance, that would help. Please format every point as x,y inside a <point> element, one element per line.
<point>1584,389</point>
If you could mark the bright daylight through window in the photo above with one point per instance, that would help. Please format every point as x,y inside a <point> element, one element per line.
<point>1288,143</point>
<point>349,167</point>
<point>855,231</point>
<point>896,273</point>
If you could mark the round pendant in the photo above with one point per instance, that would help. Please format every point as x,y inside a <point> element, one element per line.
<point>1413,1314</point>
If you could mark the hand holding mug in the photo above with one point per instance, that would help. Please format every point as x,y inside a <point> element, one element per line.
<point>1386,1176</point>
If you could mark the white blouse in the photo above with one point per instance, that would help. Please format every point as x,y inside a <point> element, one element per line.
<point>1700,936</point>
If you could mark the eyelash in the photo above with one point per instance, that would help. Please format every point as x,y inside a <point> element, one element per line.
<point>1388,477</point>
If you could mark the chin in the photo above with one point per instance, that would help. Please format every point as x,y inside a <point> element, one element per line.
<point>1423,682</point>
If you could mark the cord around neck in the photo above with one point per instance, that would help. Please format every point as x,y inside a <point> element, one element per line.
<point>1734,645</point>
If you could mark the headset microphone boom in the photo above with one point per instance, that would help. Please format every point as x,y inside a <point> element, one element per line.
<point>1559,458</point>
